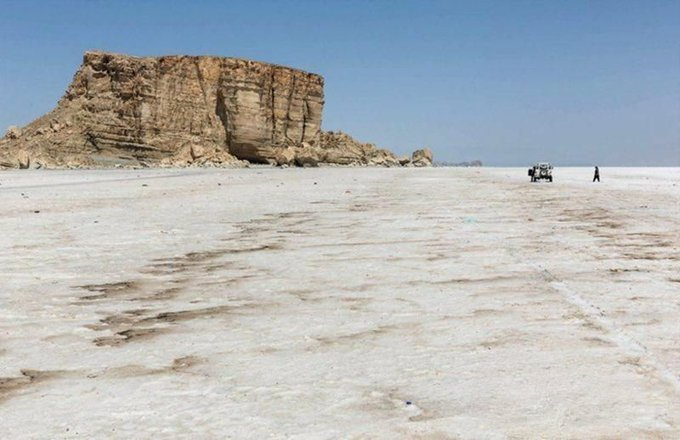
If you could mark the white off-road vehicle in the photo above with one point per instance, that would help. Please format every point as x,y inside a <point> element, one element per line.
<point>541,171</point>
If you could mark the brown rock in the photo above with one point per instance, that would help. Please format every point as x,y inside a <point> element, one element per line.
<point>148,109</point>
<point>307,157</point>
<point>285,156</point>
<point>24,160</point>
<point>422,158</point>
<point>13,132</point>
<point>124,111</point>
<point>197,152</point>
<point>404,160</point>
<point>340,148</point>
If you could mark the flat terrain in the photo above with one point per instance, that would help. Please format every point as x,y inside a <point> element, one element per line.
<point>339,303</point>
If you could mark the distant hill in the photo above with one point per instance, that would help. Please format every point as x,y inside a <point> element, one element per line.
<point>474,163</point>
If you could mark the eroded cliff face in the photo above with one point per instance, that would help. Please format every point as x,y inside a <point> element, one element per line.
<point>171,109</point>
<point>183,110</point>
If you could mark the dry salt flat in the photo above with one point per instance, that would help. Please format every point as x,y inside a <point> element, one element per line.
<point>339,303</point>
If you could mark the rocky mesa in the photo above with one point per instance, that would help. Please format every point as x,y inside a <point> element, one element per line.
<point>188,110</point>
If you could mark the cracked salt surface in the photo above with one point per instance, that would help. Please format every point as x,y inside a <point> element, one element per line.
<point>339,303</point>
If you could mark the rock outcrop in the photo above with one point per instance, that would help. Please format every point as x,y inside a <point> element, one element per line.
<point>183,110</point>
<point>13,132</point>
<point>340,148</point>
<point>163,110</point>
<point>422,158</point>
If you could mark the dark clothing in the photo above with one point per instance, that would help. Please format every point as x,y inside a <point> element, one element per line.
<point>597,174</point>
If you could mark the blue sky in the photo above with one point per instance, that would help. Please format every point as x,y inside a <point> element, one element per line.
<point>507,82</point>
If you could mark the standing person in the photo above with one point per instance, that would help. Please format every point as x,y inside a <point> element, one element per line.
<point>597,174</point>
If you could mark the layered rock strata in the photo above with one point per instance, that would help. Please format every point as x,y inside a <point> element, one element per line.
<point>183,110</point>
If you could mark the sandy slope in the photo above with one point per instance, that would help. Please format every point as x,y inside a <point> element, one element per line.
<point>326,303</point>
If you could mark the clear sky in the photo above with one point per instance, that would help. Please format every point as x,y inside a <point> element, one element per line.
<point>508,82</point>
